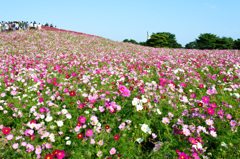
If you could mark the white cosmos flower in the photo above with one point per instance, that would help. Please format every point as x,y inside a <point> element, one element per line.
<point>199,146</point>
<point>59,123</point>
<point>67,138</point>
<point>68,142</point>
<point>139,107</point>
<point>48,118</point>
<point>139,140</point>
<point>144,100</point>
<point>213,133</point>
<point>134,102</point>
<point>64,111</point>
<point>159,112</point>
<point>145,128</point>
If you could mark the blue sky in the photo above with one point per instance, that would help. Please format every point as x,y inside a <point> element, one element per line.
<point>131,19</point>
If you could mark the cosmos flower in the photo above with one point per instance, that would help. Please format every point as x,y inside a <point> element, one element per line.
<point>116,137</point>
<point>72,93</point>
<point>112,151</point>
<point>15,146</point>
<point>89,132</point>
<point>205,99</point>
<point>210,111</point>
<point>6,130</point>
<point>165,120</point>
<point>82,119</point>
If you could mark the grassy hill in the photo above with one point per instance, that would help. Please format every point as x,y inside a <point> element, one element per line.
<point>66,94</point>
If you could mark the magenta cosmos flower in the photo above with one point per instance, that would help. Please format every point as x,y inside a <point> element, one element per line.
<point>89,132</point>
<point>122,88</point>
<point>210,111</point>
<point>61,154</point>
<point>42,110</point>
<point>205,99</point>
<point>126,93</point>
<point>41,99</point>
<point>82,119</point>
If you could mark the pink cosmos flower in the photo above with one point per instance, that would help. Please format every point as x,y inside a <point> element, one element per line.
<point>229,116</point>
<point>210,111</point>
<point>13,92</point>
<point>205,99</point>
<point>48,145</point>
<point>165,120</point>
<point>186,132</point>
<point>192,140</point>
<point>42,110</point>
<point>82,119</point>
<point>29,132</point>
<point>100,142</point>
<point>9,137</point>
<point>182,155</point>
<point>60,154</point>
<point>233,123</point>
<point>15,146</point>
<point>192,95</point>
<point>195,155</point>
<point>49,81</point>
<point>3,94</point>
<point>126,93</point>
<point>201,85</point>
<point>66,90</point>
<point>112,151</point>
<point>41,99</point>
<point>73,74</point>
<point>38,150</point>
<point>122,88</point>
<point>89,132</point>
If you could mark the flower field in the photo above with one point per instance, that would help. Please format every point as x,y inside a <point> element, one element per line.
<point>70,95</point>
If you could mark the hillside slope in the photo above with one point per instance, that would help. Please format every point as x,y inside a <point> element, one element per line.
<point>66,94</point>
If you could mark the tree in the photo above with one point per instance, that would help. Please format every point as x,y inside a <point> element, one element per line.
<point>142,43</point>
<point>163,39</point>
<point>236,44</point>
<point>130,41</point>
<point>191,45</point>
<point>206,41</point>
<point>224,43</point>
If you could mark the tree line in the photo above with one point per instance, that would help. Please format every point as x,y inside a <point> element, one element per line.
<point>204,41</point>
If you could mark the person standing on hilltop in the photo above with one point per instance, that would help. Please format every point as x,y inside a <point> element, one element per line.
<point>26,25</point>
<point>3,26</point>
<point>31,25</point>
<point>22,25</point>
<point>17,26</point>
<point>6,26</point>
<point>34,25</point>
<point>13,26</point>
<point>39,26</point>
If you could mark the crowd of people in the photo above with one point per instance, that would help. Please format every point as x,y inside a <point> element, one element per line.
<point>17,25</point>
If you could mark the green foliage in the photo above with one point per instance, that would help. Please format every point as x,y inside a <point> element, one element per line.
<point>130,41</point>
<point>224,43</point>
<point>206,41</point>
<point>163,39</point>
<point>236,44</point>
<point>191,45</point>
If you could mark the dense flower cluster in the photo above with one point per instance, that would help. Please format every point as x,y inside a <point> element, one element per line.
<point>65,94</point>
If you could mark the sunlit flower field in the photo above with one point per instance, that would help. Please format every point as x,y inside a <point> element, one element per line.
<point>69,95</point>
